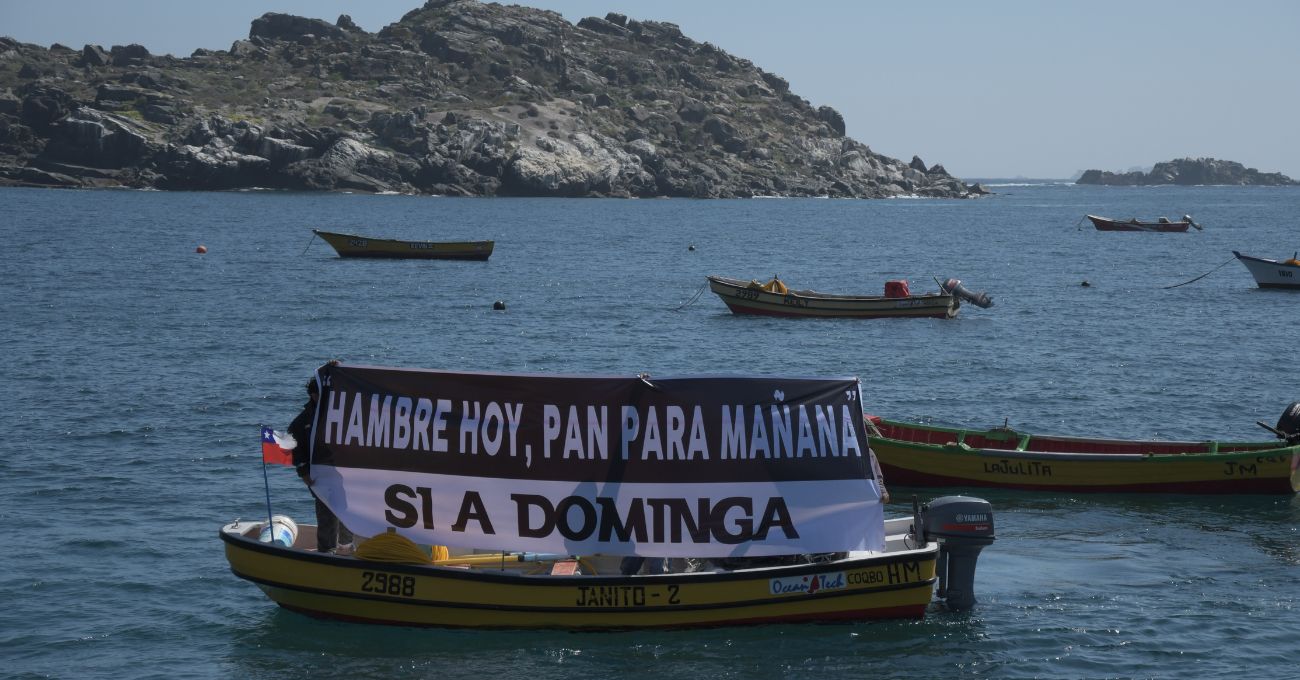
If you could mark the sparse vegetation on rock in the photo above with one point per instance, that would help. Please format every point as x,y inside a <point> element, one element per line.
<point>1188,171</point>
<point>457,98</point>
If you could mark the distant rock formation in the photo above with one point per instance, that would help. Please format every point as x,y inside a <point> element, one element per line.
<point>1189,171</point>
<point>456,98</point>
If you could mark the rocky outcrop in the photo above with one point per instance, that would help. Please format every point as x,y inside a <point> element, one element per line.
<point>273,26</point>
<point>1189,171</point>
<point>458,98</point>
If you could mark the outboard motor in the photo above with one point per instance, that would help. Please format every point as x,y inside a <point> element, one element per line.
<point>1289,424</point>
<point>962,526</point>
<point>954,287</point>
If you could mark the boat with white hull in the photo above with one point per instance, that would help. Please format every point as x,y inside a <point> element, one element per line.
<point>1273,273</point>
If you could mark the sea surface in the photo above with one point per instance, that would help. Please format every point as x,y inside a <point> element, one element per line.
<point>136,373</point>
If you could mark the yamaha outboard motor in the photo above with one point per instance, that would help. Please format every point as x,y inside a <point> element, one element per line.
<point>954,287</point>
<point>962,526</point>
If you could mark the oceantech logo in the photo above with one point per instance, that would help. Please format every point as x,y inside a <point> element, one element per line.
<point>806,584</point>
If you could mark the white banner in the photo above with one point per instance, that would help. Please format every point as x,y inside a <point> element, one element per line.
<point>734,519</point>
<point>665,467</point>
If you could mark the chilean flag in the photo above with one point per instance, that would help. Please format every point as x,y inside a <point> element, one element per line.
<point>273,449</point>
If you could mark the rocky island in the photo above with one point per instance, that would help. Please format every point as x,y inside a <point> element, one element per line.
<point>456,98</point>
<point>1188,172</point>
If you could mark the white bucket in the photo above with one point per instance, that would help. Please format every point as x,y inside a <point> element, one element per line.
<point>282,531</point>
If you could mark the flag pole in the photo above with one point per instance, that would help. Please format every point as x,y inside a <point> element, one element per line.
<point>270,519</point>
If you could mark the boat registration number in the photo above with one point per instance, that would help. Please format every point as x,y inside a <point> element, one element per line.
<point>387,584</point>
<point>627,596</point>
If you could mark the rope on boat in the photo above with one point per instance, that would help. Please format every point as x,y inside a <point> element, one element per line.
<point>1202,275</point>
<point>1077,225</point>
<point>693,298</point>
<point>309,242</point>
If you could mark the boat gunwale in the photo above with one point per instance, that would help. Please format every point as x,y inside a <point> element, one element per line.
<point>233,538</point>
<point>1116,457</point>
<point>1134,222</point>
<point>807,294</point>
<point>1263,260</point>
<point>927,584</point>
<point>1262,448</point>
<point>324,234</point>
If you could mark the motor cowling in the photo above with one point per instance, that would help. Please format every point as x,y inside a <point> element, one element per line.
<point>1289,423</point>
<point>954,287</point>
<point>962,526</point>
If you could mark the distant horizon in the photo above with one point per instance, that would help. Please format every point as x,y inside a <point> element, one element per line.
<point>1017,179</point>
<point>1145,169</point>
<point>1022,89</point>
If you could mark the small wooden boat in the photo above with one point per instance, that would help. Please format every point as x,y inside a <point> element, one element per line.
<point>519,590</point>
<point>756,526</point>
<point>1164,224</point>
<point>1273,273</point>
<point>351,245</point>
<point>774,298</point>
<point>926,455</point>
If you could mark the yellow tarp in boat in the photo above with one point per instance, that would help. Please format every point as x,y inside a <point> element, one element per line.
<point>773,286</point>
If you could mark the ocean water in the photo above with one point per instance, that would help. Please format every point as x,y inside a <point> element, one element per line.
<point>138,372</point>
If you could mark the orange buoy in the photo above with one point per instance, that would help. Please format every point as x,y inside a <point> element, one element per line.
<point>201,249</point>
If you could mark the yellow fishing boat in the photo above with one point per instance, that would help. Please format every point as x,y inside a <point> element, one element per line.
<point>912,454</point>
<point>419,460</point>
<point>351,245</point>
<point>520,590</point>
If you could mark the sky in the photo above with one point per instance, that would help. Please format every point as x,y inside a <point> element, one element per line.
<point>993,89</point>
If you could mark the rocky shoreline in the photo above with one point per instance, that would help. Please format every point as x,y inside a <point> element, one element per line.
<point>456,98</point>
<point>1189,172</point>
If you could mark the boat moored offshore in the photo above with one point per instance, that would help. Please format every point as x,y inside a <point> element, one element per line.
<point>351,245</point>
<point>1161,225</point>
<point>912,454</point>
<point>1273,273</point>
<point>774,298</point>
<point>545,486</point>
